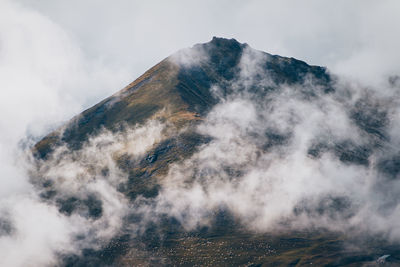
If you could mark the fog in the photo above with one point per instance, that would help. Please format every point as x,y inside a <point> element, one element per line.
<point>56,59</point>
<point>261,165</point>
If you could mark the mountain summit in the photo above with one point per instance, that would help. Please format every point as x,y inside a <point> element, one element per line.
<point>223,155</point>
<point>181,85</point>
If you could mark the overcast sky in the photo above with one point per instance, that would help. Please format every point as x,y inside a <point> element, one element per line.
<point>134,35</point>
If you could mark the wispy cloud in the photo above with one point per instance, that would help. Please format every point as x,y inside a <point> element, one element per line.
<point>287,157</point>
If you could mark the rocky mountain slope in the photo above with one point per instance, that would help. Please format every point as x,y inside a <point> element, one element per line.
<point>222,155</point>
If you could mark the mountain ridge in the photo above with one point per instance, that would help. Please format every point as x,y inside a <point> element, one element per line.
<point>170,80</point>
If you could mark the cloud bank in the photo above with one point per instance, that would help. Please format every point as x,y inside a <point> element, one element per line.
<point>299,157</point>
<point>286,160</point>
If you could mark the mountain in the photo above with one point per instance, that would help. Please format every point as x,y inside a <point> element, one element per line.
<point>184,91</point>
<point>215,119</point>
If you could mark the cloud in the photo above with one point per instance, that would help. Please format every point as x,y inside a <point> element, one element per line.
<point>283,159</point>
<point>34,57</point>
<point>290,160</point>
<point>37,232</point>
<point>45,80</point>
<point>190,57</point>
<point>84,184</point>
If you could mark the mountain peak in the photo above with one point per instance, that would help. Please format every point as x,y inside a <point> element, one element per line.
<point>220,41</point>
<point>183,92</point>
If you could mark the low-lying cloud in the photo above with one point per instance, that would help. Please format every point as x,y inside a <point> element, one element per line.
<point>299,158</point>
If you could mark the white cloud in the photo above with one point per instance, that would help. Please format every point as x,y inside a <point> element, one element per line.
<point>45,79</point>
<point>57,58</point>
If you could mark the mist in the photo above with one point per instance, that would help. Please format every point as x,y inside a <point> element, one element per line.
<point>288,160</point>
<point>273,164</point>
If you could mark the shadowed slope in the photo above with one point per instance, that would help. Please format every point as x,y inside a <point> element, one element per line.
<point>182,91</point>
